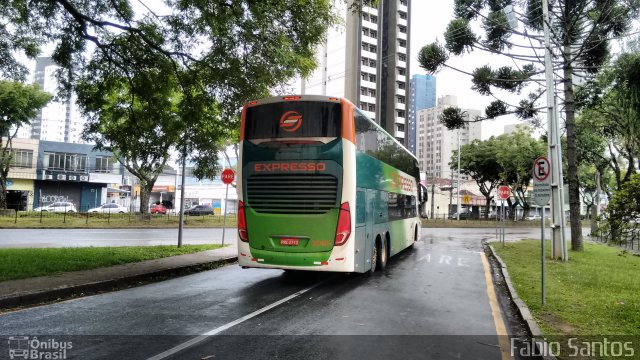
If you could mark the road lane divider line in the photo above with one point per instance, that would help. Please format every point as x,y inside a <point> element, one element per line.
<point>200,338</point>
<point>498,319</point>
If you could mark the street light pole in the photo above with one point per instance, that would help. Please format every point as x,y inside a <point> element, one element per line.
<point>458,192</point>
<point>181,219</point>
<point>558,248</point>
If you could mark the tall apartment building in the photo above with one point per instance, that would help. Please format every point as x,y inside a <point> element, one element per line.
<point>422,90</point>
<point>436,144</point>
<point>59,120</point>
<point>366,60</point>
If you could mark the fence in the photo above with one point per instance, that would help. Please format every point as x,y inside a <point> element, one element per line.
<point>626,236</point>
<point>83,219</point>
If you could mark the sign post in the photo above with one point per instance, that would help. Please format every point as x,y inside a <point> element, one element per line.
<point>503,194</point>
<point>541,195</point>
<point>227,177</point>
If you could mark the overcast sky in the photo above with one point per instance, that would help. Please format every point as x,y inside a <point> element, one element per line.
<point>429,20</point>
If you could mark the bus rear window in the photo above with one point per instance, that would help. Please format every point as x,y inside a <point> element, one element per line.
<point>293,119</point>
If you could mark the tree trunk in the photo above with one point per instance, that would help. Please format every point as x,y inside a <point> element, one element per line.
<point>572,155</point>
<point>3,193</point>
<point>487,206</point>
<point>145,194</point>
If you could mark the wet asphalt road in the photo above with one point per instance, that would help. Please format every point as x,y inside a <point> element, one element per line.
<point>147,237</point>
<point>431,303</point>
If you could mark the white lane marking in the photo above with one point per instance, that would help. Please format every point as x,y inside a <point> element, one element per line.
<point>198,339</point>
<point>445,259</point>
<point>428,257</point>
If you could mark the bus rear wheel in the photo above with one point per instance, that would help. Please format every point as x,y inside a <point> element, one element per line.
<point>382,256</point>
<point>374,258</point>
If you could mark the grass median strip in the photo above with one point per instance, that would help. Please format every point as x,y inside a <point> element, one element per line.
<point>595,293</point>
<point>22,263</point>
<point>36,220</point>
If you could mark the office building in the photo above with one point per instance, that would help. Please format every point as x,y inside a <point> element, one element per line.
<point>60,120</point>
<point>422,95</point>
<point>436,144</point>
<point>366,60</point>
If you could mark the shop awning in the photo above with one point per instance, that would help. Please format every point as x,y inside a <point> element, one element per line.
<point>114,190</point>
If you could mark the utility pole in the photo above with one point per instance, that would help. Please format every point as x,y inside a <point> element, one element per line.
<point>559,246</point>
<point>458,192</point>
<point>596,204</point>
<point>181,219</point>
<point>433,177</point>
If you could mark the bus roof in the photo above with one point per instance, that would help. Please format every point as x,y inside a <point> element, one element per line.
<point>275,99</point>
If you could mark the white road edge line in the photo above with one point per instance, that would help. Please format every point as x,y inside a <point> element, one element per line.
<point>200,338</point>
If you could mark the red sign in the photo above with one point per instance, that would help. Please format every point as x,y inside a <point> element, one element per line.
<point>541,169</point>
<point>291,121</point>
<point>504,192</point>
<point>227,176</point>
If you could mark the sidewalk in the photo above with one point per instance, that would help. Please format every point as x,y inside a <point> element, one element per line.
<point>14,293</point>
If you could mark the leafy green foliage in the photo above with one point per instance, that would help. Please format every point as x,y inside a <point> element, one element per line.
<point>623,212</point>
<point>459,36</point>
<point>19,104</point>
<point>478,160</point>
<point>495,109</point>
<point>175,80</point>
<point>533,18</point>
<point>453,117</point>
<point>497,29</point>
<point>515,154</point>
<point>609,124</point>
<point>482,80</point>
<point>580,33</point>
<point>432,57</point>
<point>467,9</point>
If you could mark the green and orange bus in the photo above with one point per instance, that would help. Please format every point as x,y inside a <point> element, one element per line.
<point>322,187</point>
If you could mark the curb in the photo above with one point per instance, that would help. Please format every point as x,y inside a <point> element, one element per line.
<point>523,309</point>
<point>63,293</point>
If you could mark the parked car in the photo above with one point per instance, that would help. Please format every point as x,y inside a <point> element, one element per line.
<point>465,215</point>
<point>109,208</point>
<point>199,210</point>
<point>158,209</point>
<point>61,206</point>
<point>533,217</point>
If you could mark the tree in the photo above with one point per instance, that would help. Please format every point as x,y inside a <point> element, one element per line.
<point>213,56</point>
<point>515,154</point>
<point>611,106</point>
<point>19,103</point>
<point>580,35</point>
<point>479,161</point>
<point>623,212</point>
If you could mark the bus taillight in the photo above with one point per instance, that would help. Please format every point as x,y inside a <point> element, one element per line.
<point>242,223</point>
<point>344,225</point>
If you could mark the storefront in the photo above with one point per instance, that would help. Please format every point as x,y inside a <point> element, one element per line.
<point>20,194</point>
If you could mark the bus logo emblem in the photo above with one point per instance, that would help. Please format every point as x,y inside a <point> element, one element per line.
<point>290,121</point>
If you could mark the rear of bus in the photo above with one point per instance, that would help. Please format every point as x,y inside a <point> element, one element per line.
<point>296,184</point>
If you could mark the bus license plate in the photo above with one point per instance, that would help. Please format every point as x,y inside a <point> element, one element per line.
<point>289,242</point>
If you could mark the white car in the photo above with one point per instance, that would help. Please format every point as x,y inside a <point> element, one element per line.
<point>61,206</point>
<point>109,208</point>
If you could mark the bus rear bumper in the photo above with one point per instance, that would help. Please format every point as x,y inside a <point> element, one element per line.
<point>309,261</point>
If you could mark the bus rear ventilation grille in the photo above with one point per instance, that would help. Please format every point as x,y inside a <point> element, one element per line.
<point>292,193</point>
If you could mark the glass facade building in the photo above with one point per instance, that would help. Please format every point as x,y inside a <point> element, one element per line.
<point>422,90</point>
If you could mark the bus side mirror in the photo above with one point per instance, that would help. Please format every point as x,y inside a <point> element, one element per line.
<point>423,196</point>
